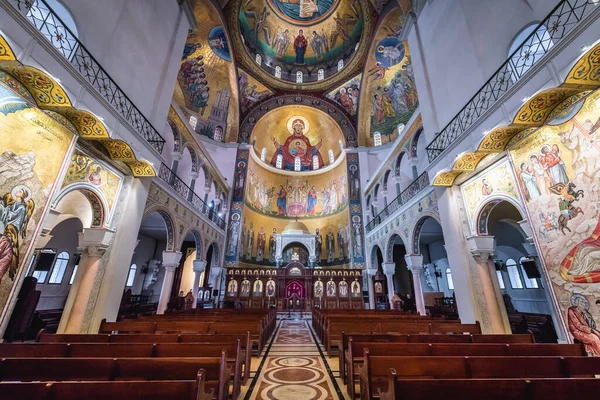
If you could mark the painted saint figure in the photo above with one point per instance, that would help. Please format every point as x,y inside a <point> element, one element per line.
<point>95,177</point>
<point>261,241</point>
<point>250,245</point>
<point>232,288</point>
<point>552,160</point>
<point>329,246</point>
<point>270,288</point>
<point>582,325</point>
<point>281,43</point>
<point>529,181</point>
<point>282,201</point>
<point>300,44</point>
<point>297,145</point>
<point>355,289</point>
<point>258,288</point>
<point>318,289</point>
<point>312,201</point>
<point>245,288</point>
<point>331,288</point>
<point>340,239</point>
<point>272,245</point>
<point>318,245</point>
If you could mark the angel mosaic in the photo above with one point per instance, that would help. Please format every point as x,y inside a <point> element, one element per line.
<point>16,209</point>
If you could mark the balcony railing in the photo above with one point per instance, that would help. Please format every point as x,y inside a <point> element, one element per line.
<point>166,174</point>
<point>49,24</point>
<point>405,196</point>
<point>558,24</point>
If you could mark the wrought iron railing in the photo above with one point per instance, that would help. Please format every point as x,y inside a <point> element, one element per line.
<point>49,24</point>
<point>404,197</point>
<point>166,174</point>
<point>561,20</point>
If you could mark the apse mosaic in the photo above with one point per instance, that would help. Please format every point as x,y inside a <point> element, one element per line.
<point>292,132</point>
<point>33,149</point>
<point>347,95</point>
<point>289,196</point>
<point>206,87</point>
<point>299,32</point>
<point>86,170</point>
<point>497,181</point>
<point>251,91</point>
<point>558,172</point>
<point>389,95</point>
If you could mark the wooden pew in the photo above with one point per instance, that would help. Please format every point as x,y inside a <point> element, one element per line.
<point>129,390</point>
<point>218,375</point>
<point>356,354</point>
<point>131,350</point>
<point>374,373</point>
<point>246,345</point>
<point>490,389</point>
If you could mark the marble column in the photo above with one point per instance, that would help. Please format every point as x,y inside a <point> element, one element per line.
<point>389,269</point>
<point>193,176</point>
<point>414,263</point>
<point>170,262</point>
<point>176,156</point>
<point>93,243</point>
<point>198,266</point>
<point>370,274</point>
<point>490,297</point>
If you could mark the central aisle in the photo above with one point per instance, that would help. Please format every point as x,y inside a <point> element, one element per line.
<point>293,367</point>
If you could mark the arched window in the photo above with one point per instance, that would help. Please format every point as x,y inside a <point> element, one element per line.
<point>131,275</point>
<point>299,76</point>
<point>279,161</point>
<point>297,164</point>
<point>258,59</point>
<point>277,71</point>
<point>528,49</point>
<point>193,122</point>
<point>320,74</point>
<point>60,266</point>
<point>530,283</point>
<point>331,157</point>
<point>513,274</point>
<point>218,135</point>
<point>263,154</point>
<point>500,280</point>
<point>64,41</point>
<point>340,64</point>
<point>315,162</point>
<point>377,138</point>
<point>449,279</point>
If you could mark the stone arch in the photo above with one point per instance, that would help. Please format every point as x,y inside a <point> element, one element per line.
<point>176,136</point>
<point>169,220</point>
<point>373,256</point>
<point>197,241</point>
<point>398,162</point>
<point>193,155</point>
<point>415,142</point>
<point>386,178</point>
<point>216,251</point>
<point>389,246</point>
<point>484,211</point>
<point>97,201</point>
<point>416,231</point>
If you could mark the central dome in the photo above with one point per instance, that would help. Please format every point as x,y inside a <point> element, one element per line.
<point>300,44</point>
<point>295,228</point>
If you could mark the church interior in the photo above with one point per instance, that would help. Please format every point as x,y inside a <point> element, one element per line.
<point>299,199</point>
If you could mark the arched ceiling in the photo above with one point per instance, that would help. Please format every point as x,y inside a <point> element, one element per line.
<point>281,38</point>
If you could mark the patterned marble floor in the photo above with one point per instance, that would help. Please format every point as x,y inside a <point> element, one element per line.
<point>293,366</point>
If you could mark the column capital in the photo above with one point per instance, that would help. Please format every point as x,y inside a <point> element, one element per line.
<point>481,246</point>
<point>388,268</point>
<point>176,156</point>
<point>482,257</point>
<point>414,262</point>
<point>199,265</point>
<point>171,258</point>
<point>95,241</point>
<point>526,226</point>
<point>371,271</point>
<point>413,161</point>
<point>194,175</point>
<point>49,221</point>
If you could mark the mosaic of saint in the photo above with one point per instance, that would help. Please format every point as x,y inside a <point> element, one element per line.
<point>251,91</point>
<point>389,95</point>
<point>558,173</point>
<point>297,138</point>
<point>272,29</point>
<point>33,147</point>
<point>347,95</point>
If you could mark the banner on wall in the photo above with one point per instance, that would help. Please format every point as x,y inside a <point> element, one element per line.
<point>234,235</point>
<point>33,149</point>
<point>356,225</point>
